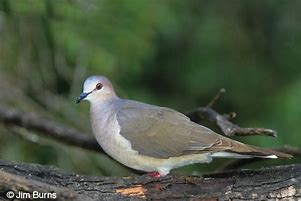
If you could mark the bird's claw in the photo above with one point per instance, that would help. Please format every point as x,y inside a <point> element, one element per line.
<point>154,174</point>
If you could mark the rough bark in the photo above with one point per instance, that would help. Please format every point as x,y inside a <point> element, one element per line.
<point>281,182</point>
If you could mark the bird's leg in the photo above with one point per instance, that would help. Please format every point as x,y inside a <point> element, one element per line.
<point>154,174</point>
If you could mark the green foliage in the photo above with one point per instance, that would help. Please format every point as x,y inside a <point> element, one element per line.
<point>154,51</point>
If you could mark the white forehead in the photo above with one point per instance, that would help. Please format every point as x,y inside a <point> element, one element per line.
<point>92,81</point>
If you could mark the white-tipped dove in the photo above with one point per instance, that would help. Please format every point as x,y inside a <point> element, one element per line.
<point>155,139</point>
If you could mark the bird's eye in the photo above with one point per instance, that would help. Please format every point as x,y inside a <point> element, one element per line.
<point>98,86</point>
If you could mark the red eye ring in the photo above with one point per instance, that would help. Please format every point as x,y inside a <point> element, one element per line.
<point>98,86</point>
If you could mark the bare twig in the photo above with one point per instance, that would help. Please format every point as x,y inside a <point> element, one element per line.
<point>217,97</point>
<point>228,128</point>
<point>295,151</point>
<point>223,121</point>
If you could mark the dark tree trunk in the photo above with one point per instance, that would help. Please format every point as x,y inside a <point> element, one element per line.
<point>282,182</point>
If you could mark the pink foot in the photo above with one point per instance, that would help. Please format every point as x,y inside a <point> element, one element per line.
<point>154,174</point>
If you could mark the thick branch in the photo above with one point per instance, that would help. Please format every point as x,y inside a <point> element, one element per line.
<point>282,182</point>
<point>9,182</point>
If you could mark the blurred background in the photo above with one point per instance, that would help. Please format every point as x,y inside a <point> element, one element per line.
<point>170,53</point>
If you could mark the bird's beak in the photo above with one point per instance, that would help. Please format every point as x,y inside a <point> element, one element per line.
<point>81,97</point>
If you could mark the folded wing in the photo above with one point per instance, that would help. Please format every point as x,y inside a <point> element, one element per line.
<point>162,133</point>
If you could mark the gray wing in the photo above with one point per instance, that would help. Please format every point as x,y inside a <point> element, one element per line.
<point>162,132</point>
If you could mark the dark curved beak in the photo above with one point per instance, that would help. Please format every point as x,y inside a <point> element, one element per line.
<point>81,97</point>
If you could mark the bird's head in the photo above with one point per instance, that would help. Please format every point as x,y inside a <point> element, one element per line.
<point>96,88</point>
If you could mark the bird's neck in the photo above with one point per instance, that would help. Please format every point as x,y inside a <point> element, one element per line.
<point>101,106</point>
<point>101,114</point>
<point>104,97</point>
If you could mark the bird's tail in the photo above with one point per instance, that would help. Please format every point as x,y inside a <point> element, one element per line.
<point>241,150</point>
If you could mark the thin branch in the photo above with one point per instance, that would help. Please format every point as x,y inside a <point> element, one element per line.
<point>223,121</point>
<point>295,151</point>
<point>217,97</point>
<point>49,128</point>
<point>228,128</point>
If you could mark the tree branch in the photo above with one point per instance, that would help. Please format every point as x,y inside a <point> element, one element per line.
<point>227,127</point>
<point>9,182</point>
<point>216,98</point>
<point>55,130</point>
<point>223,121</point>
<point>282,182</point>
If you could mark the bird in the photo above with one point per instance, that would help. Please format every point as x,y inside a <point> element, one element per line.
<point>155,139</point>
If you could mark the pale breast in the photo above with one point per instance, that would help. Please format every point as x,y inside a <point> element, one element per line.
<point>106,131</point>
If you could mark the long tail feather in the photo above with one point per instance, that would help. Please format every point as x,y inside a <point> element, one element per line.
<point>241,150</point>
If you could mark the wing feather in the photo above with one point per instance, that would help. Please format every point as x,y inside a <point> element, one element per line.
<point>162,132</point>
